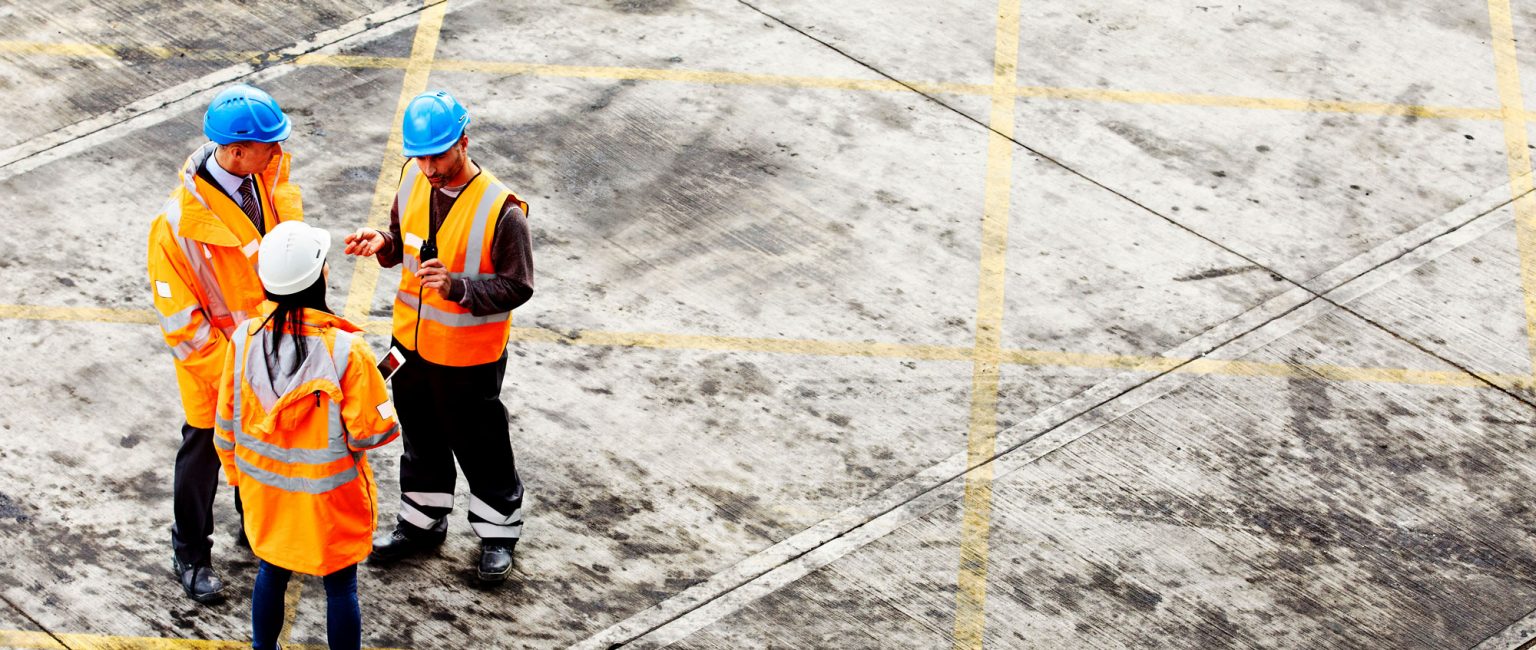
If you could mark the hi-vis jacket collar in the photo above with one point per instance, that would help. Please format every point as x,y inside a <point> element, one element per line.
<point>318,374</point>
<point>208,216</point>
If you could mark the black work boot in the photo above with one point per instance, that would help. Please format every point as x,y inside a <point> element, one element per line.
<point>495,561</point>
<point>398,545</point>
<point>200,583</point>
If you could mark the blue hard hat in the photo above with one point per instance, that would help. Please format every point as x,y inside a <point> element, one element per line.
<point>433,123</point>
<point>244,113</point>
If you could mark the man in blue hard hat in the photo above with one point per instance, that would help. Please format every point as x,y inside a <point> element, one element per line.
<point>463,238</point>
<point>202,271</point>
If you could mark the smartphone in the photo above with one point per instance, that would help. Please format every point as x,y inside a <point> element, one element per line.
<point>391,363</point>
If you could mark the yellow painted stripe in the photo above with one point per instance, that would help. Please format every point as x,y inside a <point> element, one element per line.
<point>365,274</point>
<point>350,61</point>
<point>291,599</point>
<point>1518,157</point>
<point>42,640</point>
<point>698,76</point>
<point>1244,368</point>
<point>1258,103</point>
<point>981,438</point>
<point>508,68</point>
<point>918,352</point>
<point>84,314</point>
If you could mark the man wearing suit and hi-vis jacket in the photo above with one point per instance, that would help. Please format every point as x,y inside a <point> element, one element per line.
<point>202,272</point>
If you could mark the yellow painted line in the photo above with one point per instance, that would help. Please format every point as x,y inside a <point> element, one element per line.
<point>718,77</point>
<point>84,314</point>
<point>872,349</point>
<point>42,640</point>
<point>291,599</point>
<point>981,438</point>
<point>365,274</point>
<point>1244,368</point>
<point>350,61</point>
<point>1259,103</point>
<point>698,76</point>
<point>1518,157</point>
<point>125,52</point>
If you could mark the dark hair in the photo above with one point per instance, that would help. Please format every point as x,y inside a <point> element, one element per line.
<point>289,317</point>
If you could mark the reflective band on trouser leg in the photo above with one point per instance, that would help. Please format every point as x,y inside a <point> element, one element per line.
<point>426,510</point>
<point>490,524</point>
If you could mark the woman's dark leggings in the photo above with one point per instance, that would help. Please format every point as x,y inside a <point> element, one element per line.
<point>343,618</point>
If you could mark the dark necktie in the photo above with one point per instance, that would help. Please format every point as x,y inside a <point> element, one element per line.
<point>249,205</point>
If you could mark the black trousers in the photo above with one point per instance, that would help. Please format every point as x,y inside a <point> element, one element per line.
<point>196,481</point>
<point>447,412</point>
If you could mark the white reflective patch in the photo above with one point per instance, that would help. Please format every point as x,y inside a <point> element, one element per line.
<point>432,499</point>
<point>413,240</point>
<point>492,531</point>
<point>415,518</point>
<point>163,288</point>
<point>484,511</point>
<point>387,410</point>
<point>207,253</point>
<point>251,248</point>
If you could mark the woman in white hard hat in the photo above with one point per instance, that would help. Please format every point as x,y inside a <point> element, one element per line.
<point>299,402</point>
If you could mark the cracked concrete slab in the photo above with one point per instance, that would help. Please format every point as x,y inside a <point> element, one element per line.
<point>703,484</point>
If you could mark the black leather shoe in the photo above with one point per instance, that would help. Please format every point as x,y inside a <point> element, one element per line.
<point>397,545</point>
<point>198,582</point>
<point>241,540</point>
<point>495,562</point>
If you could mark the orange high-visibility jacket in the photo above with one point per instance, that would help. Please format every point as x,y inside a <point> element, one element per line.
<point>202,271</point>
<point>294,441</point>
<point>450,334</point>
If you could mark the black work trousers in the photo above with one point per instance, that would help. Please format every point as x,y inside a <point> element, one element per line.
<point>195,483</point>
<point>447,412</point>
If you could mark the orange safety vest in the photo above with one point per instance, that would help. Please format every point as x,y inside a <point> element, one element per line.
<point>450,334</point>
<point>294,441</point>
<point>202,271</point>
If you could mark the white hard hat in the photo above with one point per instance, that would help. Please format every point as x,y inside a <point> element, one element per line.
<point>291,257</point>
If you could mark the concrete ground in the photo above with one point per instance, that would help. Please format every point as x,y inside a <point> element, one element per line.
<point>858,324</point>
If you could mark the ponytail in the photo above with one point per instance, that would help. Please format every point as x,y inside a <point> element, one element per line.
<point>288,318</point>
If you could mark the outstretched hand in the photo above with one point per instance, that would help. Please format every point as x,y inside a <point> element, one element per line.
<point>365,242</point>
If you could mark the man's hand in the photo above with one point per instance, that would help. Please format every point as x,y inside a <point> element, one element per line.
<point>365,242</point>
<point>434,275</point>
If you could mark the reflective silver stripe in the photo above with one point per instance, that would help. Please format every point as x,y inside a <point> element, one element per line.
<point>341,355</point>
<point>217,307</point>
<point>221,443</point>
<point>288,455</point>
<point>184,350</point>
<point>431,499</point>
<point>407,183</point>
<point>194,163</point>
<point>377,439</point>
<point>178,320</point>
<point>414,517</point>
<point>413,265</point>
<point>492,531</point>
<point>472,248</point>
<point>296,484</point>
<point>448,318</point>
<point>242,333</point>
<point>490,515</point>
<point>227,425</point>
